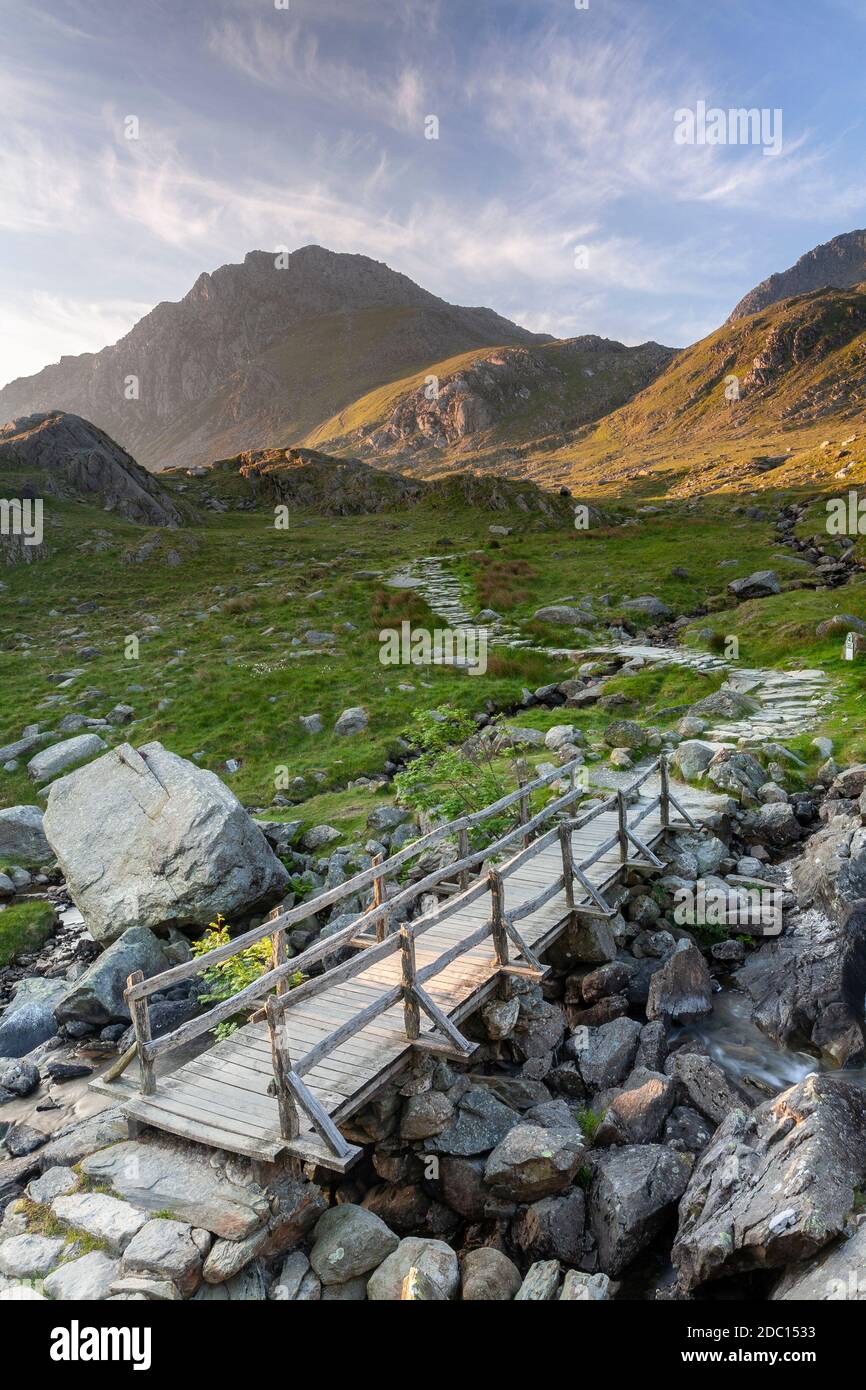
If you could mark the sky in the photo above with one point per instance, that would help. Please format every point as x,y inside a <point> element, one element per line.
<point>145,141</point>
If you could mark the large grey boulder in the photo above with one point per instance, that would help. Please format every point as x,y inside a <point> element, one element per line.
<point>804,985</point>
<point>634,1191</point>
<point>562,613</point>
<point>773,824</point>
<point>681,992</point>
<point>704,1086</point>
<point>649,606</point>
<point>606,1056</point>
<point>724,703</point>
<point>775,1186</point>
<point>534,1162</point>
<point>50,762</point>
<point>107,1219</point>
<point>693,757</point>
<point>738,774</point>
<point>29,1019</point>
<point>22,838</point>
<point>97,996</point>
<point>350,1241</point>
<point>352,721</point>
<point>552,1229</point>
<point>85,1280</point>
<point>761,584</point>
<point>147,839</point>
<point>480,1123</point>
<point>432,1258</point>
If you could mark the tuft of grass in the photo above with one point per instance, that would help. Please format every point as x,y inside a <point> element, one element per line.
<point>589,1121</point>
<point>24,927</point>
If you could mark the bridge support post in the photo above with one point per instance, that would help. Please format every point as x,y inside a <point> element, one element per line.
<point>463,853</point>
<point>622,830</point>
<point>524,806</point>
<point>411,1010</point>
<point>278,954</point>
<point>567,865</point>
<point>379,898</point>
<point>282,1064</point>
<point>498,932</point>
<point>141,1023</point>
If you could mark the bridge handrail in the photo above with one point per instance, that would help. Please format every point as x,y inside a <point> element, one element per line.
<point>364,879</point>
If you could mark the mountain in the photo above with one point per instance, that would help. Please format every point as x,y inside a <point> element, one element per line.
<point>491,408</point>
<point>789,380</point>
<point>61,455</point>
<point>257,355</point>
<point>839,263</point>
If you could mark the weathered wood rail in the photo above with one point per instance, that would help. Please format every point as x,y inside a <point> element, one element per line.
<point>332,1040</point>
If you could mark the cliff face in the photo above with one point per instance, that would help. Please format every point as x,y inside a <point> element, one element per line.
<point>257,354</point>
<point>839,264</point>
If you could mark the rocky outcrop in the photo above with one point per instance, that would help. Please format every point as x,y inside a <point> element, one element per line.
<point>63,455</point>
<point>145,838</point>
<point>775,1186</point>
<point>806,986</point>
<point>840,262</point>
<point>634,1191</point>
<point>831,872</point>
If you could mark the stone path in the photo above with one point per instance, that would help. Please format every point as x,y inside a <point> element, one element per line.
<point>790,701</point>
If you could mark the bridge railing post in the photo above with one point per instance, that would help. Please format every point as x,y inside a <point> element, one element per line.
<point>567,865</point>
<point>279,955</point>
<point>622,826</point>
<point>463,853</point>
<point>382,924</point>
<point>141,1023</point>
<point>524,805</point>
<point>497,927</point>
<point>664,794</point>
<point>411,1010</point>
<point>282,1065</point>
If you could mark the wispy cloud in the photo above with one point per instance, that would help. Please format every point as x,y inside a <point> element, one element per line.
<point>289,56</point>
<point>39,328</point>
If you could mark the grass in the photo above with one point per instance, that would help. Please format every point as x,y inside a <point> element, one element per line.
<point>223,668</point>
<point>24,927</point>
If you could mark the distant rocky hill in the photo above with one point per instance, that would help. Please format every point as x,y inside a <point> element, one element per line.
<point>732,406</point>
<point>61,455</point>
<point>258,354</point>
<point>335,486</point>
<point>482,407</point>
<point>839,263</point>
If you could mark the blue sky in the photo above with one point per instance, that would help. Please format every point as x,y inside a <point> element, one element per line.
<point>262,127</point>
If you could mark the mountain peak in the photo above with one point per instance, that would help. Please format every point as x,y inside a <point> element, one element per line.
<point>259,353</point>
<point>836,264</point>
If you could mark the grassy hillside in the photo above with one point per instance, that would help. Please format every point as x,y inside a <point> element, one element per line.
<point>799,365</point>
<point>224,669</point>
<point>495,407</point>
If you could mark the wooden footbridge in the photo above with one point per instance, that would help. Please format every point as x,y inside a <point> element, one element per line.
<point>327,1043</point>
